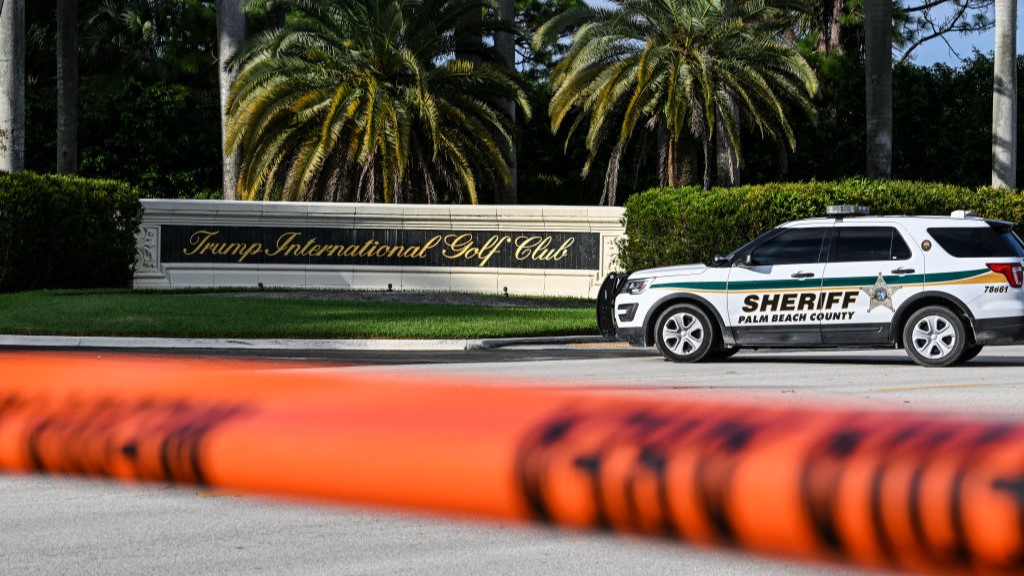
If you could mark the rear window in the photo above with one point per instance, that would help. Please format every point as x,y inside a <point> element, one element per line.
<point>982,242</point>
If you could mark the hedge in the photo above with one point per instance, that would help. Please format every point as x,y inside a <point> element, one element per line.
<point>674,226</point>
<point>66,232</point>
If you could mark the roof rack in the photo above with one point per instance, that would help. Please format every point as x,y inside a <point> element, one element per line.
<point>963,214</point>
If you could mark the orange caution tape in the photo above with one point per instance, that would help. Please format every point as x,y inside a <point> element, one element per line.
<point>909,491</point>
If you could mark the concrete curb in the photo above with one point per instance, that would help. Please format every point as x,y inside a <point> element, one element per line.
<point>87,342</point>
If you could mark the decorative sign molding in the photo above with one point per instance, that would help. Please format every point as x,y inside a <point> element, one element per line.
<point>531,250</point>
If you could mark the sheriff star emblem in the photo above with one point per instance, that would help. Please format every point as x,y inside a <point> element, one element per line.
<point>880,294</point>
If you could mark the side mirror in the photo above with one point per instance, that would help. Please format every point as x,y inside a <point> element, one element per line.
<point>719,260</point>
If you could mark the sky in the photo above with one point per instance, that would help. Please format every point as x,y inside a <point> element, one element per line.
<point>936,51</point>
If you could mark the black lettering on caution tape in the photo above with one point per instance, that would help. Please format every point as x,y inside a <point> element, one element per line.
<point>648,470</point>
<point>147,439</point>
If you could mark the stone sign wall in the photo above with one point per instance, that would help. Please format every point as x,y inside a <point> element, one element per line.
<point>528,250</point>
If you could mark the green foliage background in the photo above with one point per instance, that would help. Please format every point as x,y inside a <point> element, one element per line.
<point>159,136</point>
<point>680,225</point>
<point>66,232</point>
<point>149,110</point>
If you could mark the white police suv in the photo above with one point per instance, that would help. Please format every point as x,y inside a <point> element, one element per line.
<point>941,287</point>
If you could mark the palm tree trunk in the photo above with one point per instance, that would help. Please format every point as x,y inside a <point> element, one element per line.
<point>67,86</point>
<point>878,81</point>
<point>709,157</point>
<point>230,35</point>
<point>727,159</point>
<point>879,84</point>
<point>12,86</point>
<point>1004,97</point>
<point>468,41</point>
<point>504,43</point>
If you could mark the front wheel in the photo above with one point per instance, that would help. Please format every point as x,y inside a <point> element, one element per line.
<point>684,333</point>
<point>934,336</point>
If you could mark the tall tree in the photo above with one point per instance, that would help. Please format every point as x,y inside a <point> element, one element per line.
<point>505,44</point>
<point>878,84</point>
<point>1004,97</point>
<point>364,100</point>
<point>67,86</point>
<point>679,66</point>
<point>12,86</point>
<point>230,36</point>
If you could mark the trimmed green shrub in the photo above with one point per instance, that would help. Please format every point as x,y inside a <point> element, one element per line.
<point>66,232</point>
<point>676,226</point>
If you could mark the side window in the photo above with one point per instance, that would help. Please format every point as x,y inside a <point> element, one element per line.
<point>864,243</point>
<point>796,246</point>
<point>979,242</point>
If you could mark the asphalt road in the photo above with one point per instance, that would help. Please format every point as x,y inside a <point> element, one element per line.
<point>59,526</point>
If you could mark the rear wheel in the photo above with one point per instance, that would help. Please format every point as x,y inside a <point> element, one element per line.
<point>684,333</point>
<point>934,336</point>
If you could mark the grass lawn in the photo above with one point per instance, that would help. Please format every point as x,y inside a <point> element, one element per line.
<point>196,315</point>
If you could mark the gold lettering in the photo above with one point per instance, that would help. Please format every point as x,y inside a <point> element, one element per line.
<point>308,248</point>
<point>434,241</point>
<point>563,250</point>
<point>329,249</point>
<point>284,241</point>
<point>460,246</point>
<point>493,244</point>
<point>368,247</point>
<point>538,248</point>
<point>199,239</point>
<point>202,244</point>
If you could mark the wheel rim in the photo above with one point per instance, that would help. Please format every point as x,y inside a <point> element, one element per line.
<point>934,337</point>
<point>683,333</point>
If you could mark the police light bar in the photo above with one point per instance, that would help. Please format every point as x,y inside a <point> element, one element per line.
<point>846,210</point>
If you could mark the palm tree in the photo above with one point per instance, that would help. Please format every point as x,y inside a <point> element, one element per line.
<point>230,37</point>
<point>1004,97</point>
<point>364,100</point>
<point>878,86</point>
<point>505,44</point>
<point>12,86</point>
<point>67,86</point>
<point>677,67</point>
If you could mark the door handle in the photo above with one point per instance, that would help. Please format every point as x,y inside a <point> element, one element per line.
<point>903,271</point>
<point>803,275</point>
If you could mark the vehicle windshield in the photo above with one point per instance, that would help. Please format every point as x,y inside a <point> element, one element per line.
<point>728,259</point>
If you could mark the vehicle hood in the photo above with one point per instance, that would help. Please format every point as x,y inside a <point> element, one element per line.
<point>682,270</point>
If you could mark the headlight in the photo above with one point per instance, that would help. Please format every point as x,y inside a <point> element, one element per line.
<point>635,287</point>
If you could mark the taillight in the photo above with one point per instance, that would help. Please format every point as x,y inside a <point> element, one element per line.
<point>1014,273</point>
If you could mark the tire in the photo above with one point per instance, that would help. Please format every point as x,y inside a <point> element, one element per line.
<point>969,353</point>
<point>934,336</point>
<point>684,333</point>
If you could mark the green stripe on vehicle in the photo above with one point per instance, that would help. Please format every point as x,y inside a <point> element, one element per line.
<point>756,285</point>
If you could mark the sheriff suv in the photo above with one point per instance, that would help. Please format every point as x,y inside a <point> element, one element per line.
<point>941,287</point>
